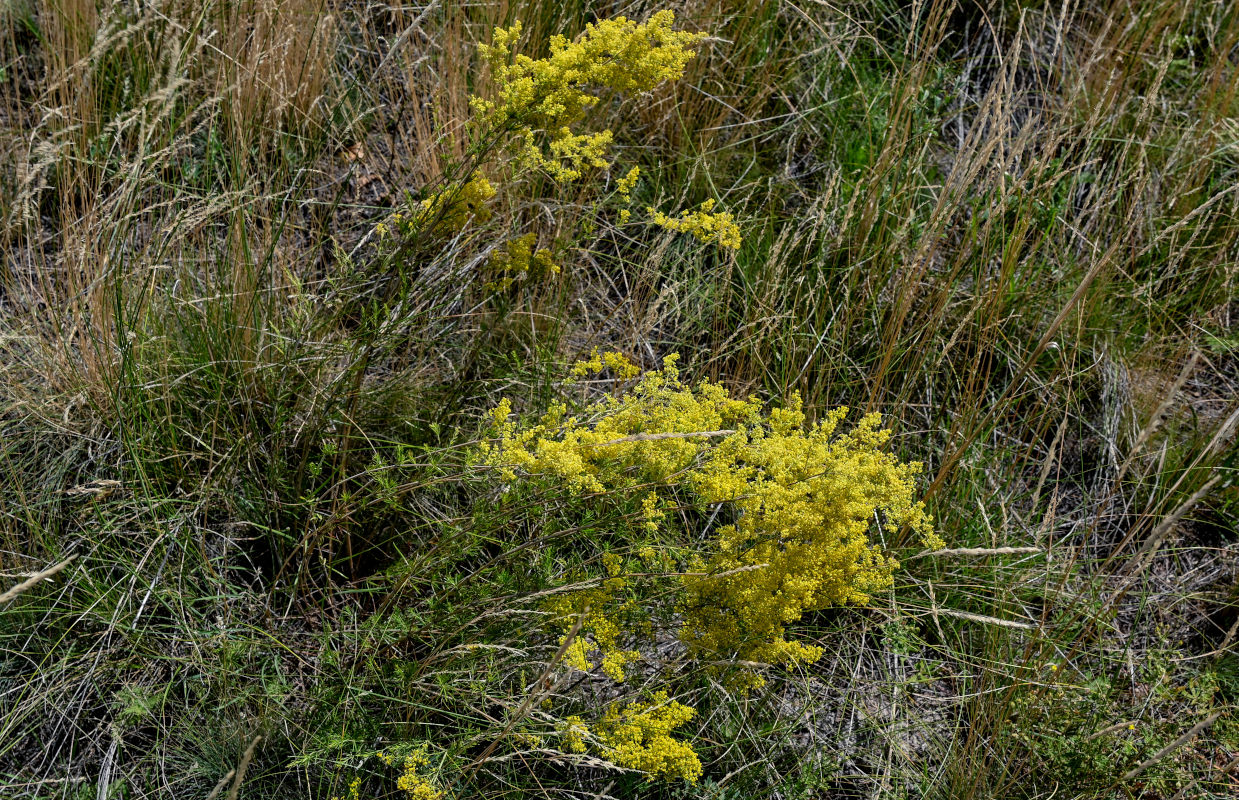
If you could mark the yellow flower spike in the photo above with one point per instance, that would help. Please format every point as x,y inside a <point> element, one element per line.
<point>653,514</point>
<point>626,184</point>
<point>613,564</point>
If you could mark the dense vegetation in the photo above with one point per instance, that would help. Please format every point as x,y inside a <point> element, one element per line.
<point>445,400</point>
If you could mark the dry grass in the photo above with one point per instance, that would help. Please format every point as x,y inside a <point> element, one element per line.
<point>275,61</point>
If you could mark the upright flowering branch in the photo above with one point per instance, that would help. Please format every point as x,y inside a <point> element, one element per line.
<point>544,100</point>
<point>539,107</point>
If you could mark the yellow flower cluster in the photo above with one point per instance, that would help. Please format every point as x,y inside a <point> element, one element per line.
<point>415,785</point>
<point>624,187</point>
<point>639,737</point>
<point>618,363</point>
<point>598,610</point>
<point>541,102</point>
<point>597,454</point>
<point>542,99</point>
<point>804,503</point>
<point>802,500</point>
<point>448,211</point>
<point>354,790</point>
<point>517,260</point>
<point>626,184</point>
<point>704,224</point>
<point>574,732</point>
<point>653,513</point>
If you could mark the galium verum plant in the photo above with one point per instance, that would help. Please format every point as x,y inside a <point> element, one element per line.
<point>796,502</point>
